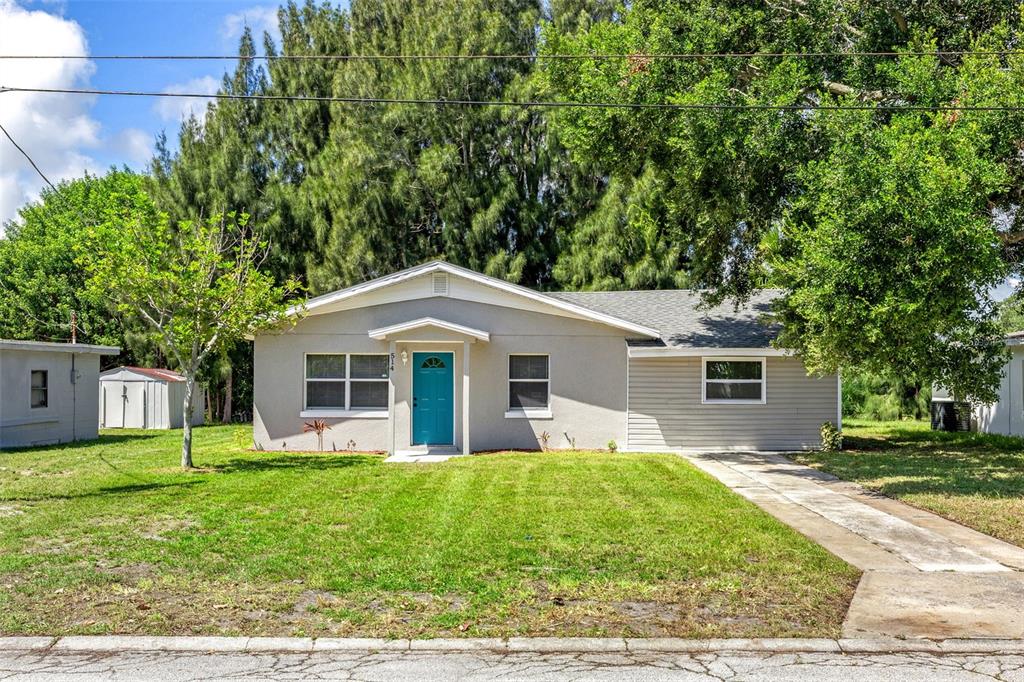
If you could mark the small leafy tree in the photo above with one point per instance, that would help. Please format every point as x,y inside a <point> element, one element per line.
<point>198,285</point>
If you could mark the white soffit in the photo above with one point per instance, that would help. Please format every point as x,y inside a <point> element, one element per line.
<point>382,333</point>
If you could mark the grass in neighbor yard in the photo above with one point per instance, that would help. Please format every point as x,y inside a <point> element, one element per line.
<point>111,536</point>
<point>972,478</point>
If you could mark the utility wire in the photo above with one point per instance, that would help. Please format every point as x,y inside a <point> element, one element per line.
<point>556,57</point>
<point>527,104</point>
<point>25,154</point>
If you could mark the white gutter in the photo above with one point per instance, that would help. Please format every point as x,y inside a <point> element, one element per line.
<point>54,347</point>
<point>705,352</point>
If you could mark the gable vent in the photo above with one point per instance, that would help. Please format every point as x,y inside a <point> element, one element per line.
<point>440,283</point>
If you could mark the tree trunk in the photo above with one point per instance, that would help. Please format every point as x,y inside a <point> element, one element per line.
<point>226,417</point>
<point>186,441</point>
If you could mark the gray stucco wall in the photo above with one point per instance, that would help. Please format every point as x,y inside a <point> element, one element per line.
<point>72,409</point>
<point>587,369</point>
<point>666,411</point>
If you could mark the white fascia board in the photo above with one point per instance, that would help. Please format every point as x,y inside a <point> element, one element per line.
<point>440,266</point>
<point>383,332</point>
<point>670,352</point>
<point>365,287</point>
<point>54,347</point>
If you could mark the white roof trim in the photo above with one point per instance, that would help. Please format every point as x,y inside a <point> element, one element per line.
<point>165,375</point>
<point>440,266</point>
<point>383,332</point>
<point>54,347</point>
<point>673,352</point>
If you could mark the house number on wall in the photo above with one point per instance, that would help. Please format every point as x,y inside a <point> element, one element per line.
<point>391,366</point>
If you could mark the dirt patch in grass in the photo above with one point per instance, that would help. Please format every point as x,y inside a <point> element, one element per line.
<point>137,600</point>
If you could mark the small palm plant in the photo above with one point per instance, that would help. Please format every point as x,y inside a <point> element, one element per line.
<point>317,426</point>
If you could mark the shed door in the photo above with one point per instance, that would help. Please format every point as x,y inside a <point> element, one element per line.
<point>113,404</point>
<point>134,405</point>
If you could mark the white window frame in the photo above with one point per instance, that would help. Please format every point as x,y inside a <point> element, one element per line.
<point>704,381</point>
<point>347,410</point>
<point>45,389</point>
<point>526,412</point>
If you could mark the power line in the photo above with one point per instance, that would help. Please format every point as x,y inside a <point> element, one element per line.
<point>569,57</point>
<point>25,154</point>
<point>527,104</point>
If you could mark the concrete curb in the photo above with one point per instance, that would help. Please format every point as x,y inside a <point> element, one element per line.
<point>115,643</point>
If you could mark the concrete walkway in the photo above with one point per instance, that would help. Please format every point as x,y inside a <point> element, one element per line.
<point>924,576</point>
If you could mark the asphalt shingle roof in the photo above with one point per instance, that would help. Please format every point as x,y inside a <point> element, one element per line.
<point>677,314</point>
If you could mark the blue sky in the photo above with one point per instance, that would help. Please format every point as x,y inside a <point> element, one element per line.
<point>157,27</point>
<point>68,135</point>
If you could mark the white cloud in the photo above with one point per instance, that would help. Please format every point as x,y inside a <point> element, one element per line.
<point>260,18</point>
<point>134,145</point>
<point>179,108</point>
<point>55,129</point>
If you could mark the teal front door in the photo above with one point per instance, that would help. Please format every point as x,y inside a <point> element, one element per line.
<point>433,404</point>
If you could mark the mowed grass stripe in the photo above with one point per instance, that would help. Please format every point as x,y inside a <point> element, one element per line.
<point>112,537</point>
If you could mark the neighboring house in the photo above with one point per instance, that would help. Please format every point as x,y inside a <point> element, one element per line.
<point>48,391</point>
<point>145,398</point>
<point>1006,415</point>
<point>441,357</point>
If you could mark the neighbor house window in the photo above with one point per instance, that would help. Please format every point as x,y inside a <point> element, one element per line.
<point>40,392</point>
<point>346,382</point>
<point>529,385</point>
<point>729,380</point>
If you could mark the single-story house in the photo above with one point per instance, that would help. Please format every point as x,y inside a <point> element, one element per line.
<point>438,357</point>
<point>1006,415</point>
<point>145,398</point>
<point>48,391</point>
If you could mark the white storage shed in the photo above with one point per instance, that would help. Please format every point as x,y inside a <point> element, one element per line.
<point>1006,415</point>
<point>145,398</point>
<point>48,391</point>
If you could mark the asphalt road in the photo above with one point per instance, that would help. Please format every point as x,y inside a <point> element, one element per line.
<point>483,665</point>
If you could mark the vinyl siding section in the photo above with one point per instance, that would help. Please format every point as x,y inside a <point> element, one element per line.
<point>665,408</point>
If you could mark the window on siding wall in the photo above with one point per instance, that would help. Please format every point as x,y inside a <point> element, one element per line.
<point>346,382</point>
<point>734,380</point>
<point>40,390</point>
<point>529,385</point>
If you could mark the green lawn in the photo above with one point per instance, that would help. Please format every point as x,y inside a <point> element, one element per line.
<point>111,536</point>
<point>975,479</point>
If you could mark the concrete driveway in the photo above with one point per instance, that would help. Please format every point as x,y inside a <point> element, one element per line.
<point>924,576</point>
